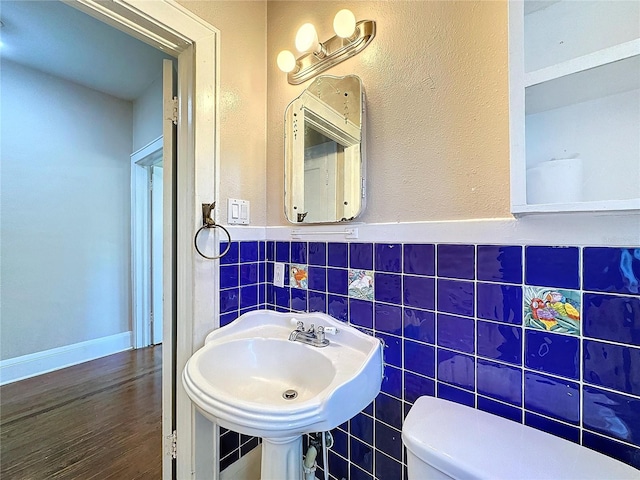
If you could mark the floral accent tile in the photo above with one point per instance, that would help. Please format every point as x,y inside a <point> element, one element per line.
<point>361,284</point>
<point>298,276</point>
<point>552,309</point>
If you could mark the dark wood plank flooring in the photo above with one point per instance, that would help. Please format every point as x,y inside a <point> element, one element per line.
<point>98,420</point>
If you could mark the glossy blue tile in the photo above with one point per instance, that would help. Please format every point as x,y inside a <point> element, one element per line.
<point>419,292</point>
<point>229,300</point>
<point>229,442</point>
<point>229,459</point>
<point>232,256</point>
<point>500,409</point>
<point>552,353</point>
<point>340,442</point>
<point>262,294</point>
<point>420,259</point>
<point>361,312</point>
<point>299,252</point>
<point>269,272</point>
<point>337,465</point>
<point>416,386</point>
<point>552,397</point>
<point>388,257</point>
<point>317,279</point>
<point>500,381</point>
<point>392,349</point>
<point>615,270</point>
<point>283,252</point>
<point>337,307</point>
<point>392,381</point>
<point>387,468</point>
<point>499,342</point>
<point>227,318</point>
<point>552,267</point>
<point>457,395</point>
<point>248,296</point>
<point>271,251</point>
<point>388,288</point>
<point>622,452</point>
<point>500,263</point>
<point>612,366</point>
<point>262,275</point>
<point>271,294</point>
<point>611,317</point>
<point>388,318</point>
<point>456,261</point>
<point>262,250</point>
<point>356,473</point>
<point>388,410</point>
<point>388,441</point>
<point>282,296</point>
<point>248,273</point>
<point>317,253</point>
<point>419,325</point>
<point>229,276</point>
<point>457,333</point>
<point>337,255</point>
<point>456,368</point>
<point>419,358</point>
<point>248,251</point>
<point>612,414</point>
<point>317,301</point>
<point>299,299</point>
<point>455,297</point>
<point>361,256</point>
<point>502,303</point>
<point>361,427</point>
<point>361,455</point>
<point>337,281</point>
<point>551,426</point>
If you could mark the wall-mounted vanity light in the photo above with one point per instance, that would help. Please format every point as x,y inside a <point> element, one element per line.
<point>350,39</point>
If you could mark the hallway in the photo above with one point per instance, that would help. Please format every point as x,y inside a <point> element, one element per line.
<point>97,420</point>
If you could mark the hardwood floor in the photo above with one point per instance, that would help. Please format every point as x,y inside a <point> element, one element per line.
<point>98,420</point>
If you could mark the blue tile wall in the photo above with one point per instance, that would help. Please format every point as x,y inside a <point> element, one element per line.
<point>452,317</point>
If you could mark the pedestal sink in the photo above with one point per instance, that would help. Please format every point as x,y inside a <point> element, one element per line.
<point>250,378</point>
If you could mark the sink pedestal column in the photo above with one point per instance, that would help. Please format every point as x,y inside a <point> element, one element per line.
<point>281,459</point>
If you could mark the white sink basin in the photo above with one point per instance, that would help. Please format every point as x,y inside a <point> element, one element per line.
<point>238,379</point>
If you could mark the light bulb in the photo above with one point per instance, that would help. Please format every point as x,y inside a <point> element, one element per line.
<point>344,23</point>
<point>286,61</point>
<point>307,39</point>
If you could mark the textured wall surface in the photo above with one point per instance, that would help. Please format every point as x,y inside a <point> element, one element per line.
<point>243,93</point>
<point>437,97</point>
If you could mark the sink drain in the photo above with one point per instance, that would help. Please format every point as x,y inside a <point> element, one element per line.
<point>289,394</point>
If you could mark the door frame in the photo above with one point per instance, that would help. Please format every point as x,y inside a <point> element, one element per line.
<point>172,28</point>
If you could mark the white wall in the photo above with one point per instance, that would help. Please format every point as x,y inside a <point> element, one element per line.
<point>65,241</point>
<point>147,115</point>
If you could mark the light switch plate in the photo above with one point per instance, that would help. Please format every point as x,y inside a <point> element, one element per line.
<point>278,274</point>
<point>238,211</point>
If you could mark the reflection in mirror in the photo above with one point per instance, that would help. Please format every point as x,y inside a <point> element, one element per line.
<point>324,161</point>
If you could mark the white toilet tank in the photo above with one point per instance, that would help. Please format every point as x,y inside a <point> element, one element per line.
<point>446,440</point>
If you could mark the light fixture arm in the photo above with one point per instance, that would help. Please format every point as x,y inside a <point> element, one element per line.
<point>336,50</point>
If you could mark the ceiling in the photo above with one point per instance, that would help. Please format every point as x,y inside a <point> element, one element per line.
<point>57,39</point>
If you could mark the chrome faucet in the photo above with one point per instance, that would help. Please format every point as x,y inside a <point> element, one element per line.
<point>314,336</point>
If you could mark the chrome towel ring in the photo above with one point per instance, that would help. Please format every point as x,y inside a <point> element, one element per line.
<point>207,223</point>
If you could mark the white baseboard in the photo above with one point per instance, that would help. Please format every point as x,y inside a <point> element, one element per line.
<point>247,468</point>
<point>26,366</point>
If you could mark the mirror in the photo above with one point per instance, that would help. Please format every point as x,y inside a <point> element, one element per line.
<point>324,160</point>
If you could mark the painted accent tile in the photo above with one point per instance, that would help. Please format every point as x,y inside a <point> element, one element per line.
<point>388,410</point>
<point>416,386</point>
<point>499,381</point>
<point>392,353</point>
<point>337,255</point>
<point>499,342</point>
<point>298,276</point>
<point>361,455</point>
<point>455,297</point>
<point>283,252</point>
<point>361,313</point>
<point>361,256</point>
<point>552,353</point>
<point>456,261</point>
<point>361,284</point>
<point>612,317</point>
<point>551,426</point>
<point>337,281</point>
<point>299,252</point>
<point>317,278</point>
<point>419,325</point>
<point>552,266</point>
<point>615,270</point>
<point>388,318</point>
<point>419,259</point>
<point>622,452</point>
<point>388,288</point>
<point>502,410</point>
<point>388,441</point>
<point>502,303</point>
<point>419,358</point>
<point>457,333</point>
<point>337,307</point>
<point>298,299</point>
<point>552,310</point>
<point>500,263</point>
<point>419,291</point>
<point>388,257</point>
<point>456,369</point>
<point>457,395</point>
<point>612,366</point>
<point>552,397</point>
<point>248,252</point>
<point>317,253</point>
<point>317,301</point>
<point>612,414</point>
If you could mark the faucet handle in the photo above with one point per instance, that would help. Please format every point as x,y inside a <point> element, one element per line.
<point>331,330</point>
<point>299,325</point>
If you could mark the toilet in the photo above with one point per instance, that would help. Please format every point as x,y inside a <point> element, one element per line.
<point>446,440</point>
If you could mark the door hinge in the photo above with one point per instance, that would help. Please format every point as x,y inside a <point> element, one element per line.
<point>172,445</point>
<point>174,118</point>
